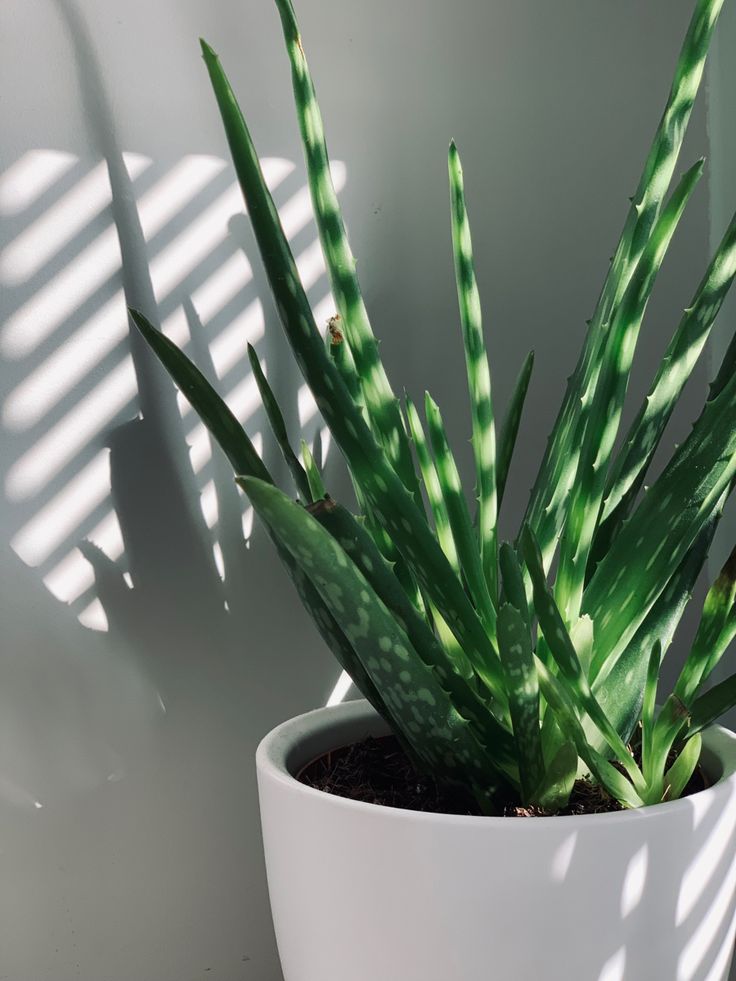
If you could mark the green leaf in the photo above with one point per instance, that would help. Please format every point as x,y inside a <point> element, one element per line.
<point>621,692</point>
<point>725,638</point>
<point>432,486</point>
<point>314,477</point>
<point>452,672</point>
<point>672,719</point>
<point>682,500</point>
<point>391,502</point>
<point>565,711</point>
<point>205,401</point>
<point>599,424</point>
<point>710,706</point>
<point>648,707</point>
<point>478,371</point>
<point>340,352</point>
<point>333,636</point>
<point>513,581</point>
<point>679,774</point>
<point>381,404</point>
<point>231,437</point>
<point>420,705</point>
<point>278,426</point>
<point>645,432</point>
<point>510,425</point>
<point>546,511</point>
<point>461,526</point>
<point>566,658</point>
<point>706,649</point>
<point>582,637</point>
<point>515,648</point>
<point>557,784</point>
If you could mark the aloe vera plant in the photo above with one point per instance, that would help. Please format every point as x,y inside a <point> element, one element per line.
<point>493,673</point>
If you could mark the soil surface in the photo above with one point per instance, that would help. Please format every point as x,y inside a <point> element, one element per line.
<point>377,771</point>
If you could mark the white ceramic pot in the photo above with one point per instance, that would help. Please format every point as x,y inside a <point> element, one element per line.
<point>367,893</point>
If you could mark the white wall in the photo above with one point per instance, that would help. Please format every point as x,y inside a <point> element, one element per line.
<point>129,837</point>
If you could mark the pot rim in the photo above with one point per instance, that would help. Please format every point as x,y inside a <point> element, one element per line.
<point>275,749</point>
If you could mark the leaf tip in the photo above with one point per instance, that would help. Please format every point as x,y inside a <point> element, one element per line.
<point>208,52</point>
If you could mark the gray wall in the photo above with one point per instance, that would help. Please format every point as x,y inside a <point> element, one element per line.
<point>127,801</point>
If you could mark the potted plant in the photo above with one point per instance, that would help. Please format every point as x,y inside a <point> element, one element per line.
<point>516,678</point>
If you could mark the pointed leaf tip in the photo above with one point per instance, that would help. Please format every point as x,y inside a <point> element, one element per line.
<point>253,487</point>
<point>208,52</point>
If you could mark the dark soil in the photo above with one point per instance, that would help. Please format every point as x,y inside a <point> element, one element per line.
<point>377,771</point>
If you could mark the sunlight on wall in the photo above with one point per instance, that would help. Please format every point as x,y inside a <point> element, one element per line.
<point>615,967</point>
<point>68,375</point>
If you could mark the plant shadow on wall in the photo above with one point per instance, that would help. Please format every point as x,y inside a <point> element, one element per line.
<point>117,499</point>
<point>472,678</point>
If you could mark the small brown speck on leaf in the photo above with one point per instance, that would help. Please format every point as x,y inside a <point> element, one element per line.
<point>333,328</point>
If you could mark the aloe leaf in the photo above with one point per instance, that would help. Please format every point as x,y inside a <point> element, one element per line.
<point>582,635</point>
<point>278,426</point>
<point>710,706</point>
<point>314,477</point>
<point>679,774</point>
<point>234,442</point>
<point>332,634</point>
<point>344,362</point>
<point>645,432</point>
<point>432,486</point>
<point>649,705</point>
<point>205,401</point>
<point>429,721</point>
<point>453,675</point>
<point>381,404</point>
<point>621,692</point>
<point>461,525</point>
<point>388,549</point>
<point>725,638</point>
<point>684,497</point>
<point>515,649</point>
<point>339,351</point>
<point>673,718</point>
<point>600,423</point>
<point>566,658</point>
<point>391,502</point>
<point>439,515</point>
<point>546,510</point>
<point>478,371</point>
<point>558,781</point>
<point>513,581</point>
<point>510,425</point>
<point>564,708</point>
<point>725,371</point>
<point>718,604</point>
